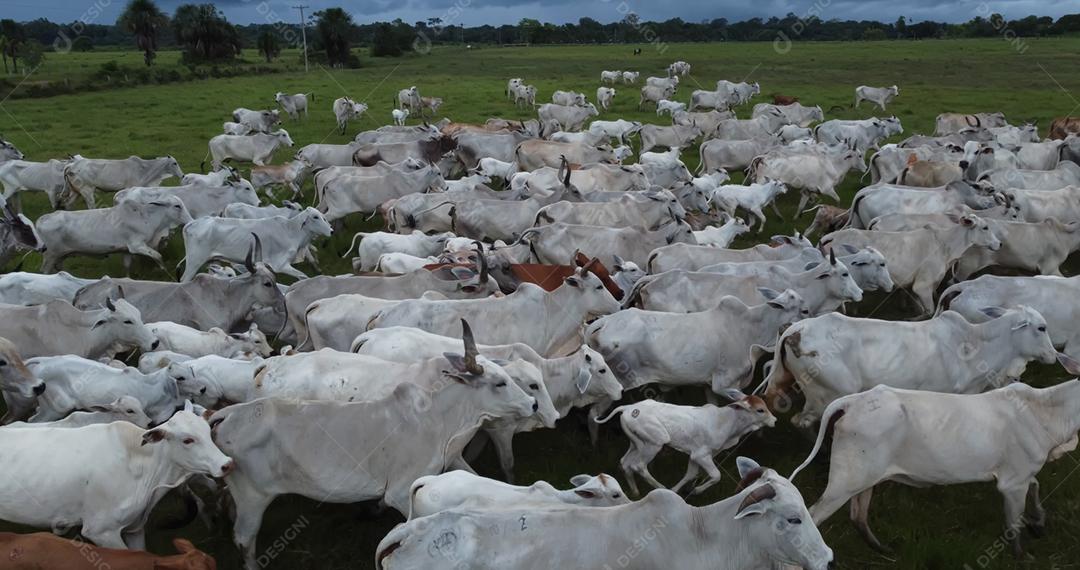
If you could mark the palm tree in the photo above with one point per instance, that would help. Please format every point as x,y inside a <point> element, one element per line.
<point>3,51</point>
<point>334,27</point>
<point>13,37</point>
<point>268,45</point>
<point>204,33</point>
<point>143,19</point>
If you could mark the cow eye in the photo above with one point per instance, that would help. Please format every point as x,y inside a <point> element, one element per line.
<point>843,275</point>
<point>1042,328</point>
<point>189,440</point>
<point>129,411</point>
<point>588,358</point>
<point>795,520</point>
<point>534,386</point>
<point>599,287</point>
<point>761,411</point>
<point>267,284</point>
<point>181,379</point>
<point>602,371</point>
<point>501,385</point>
<point>129,322</point>
<point>615,495</point>
<point>3,363</point>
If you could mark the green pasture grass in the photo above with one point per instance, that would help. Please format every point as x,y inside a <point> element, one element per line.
<point>938,528</point>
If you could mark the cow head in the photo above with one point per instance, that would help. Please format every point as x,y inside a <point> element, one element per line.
<point>790,303</point>
<point>977,231</point>
<point>22,230</point>
<point>600,491</point>
<point>674,207</point>
<point>172,167</point>
<point>1027,335</point>
<point>171,209</point>
<point>283,138</point>
<point>838,281</point>
<point>125,409</point>
<point>185,440</point>
<point>593,297</point>
<point>868,267</point>
<point>497,393</point>
<point>122,322</point>
<point>679,233</point>
<point>8,151</point>
<point>253,341</point>
<point>593,378</point>
<point>773,512</point>
<point>313,223</point>
<point>529,378</point>
<point>15,377</point>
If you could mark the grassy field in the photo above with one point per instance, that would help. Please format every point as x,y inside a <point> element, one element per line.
<point>939,528</point>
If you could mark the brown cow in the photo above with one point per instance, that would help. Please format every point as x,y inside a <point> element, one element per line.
<point>44,551</point>
<point>779,99</point>
<point>1062,127</point>
<point>550,277</point>
<point>828,219</point>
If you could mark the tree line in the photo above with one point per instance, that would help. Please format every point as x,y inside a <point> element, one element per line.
<point>203,33</point>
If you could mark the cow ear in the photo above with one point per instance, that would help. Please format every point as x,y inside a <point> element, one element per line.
<point>583,378</point>
<point>745,466</point>
<point>992,312</point>
<point>810,265</point>
<point>153,436</point>
<point>585,494</point>
<point>769,294</point>
<point>849,249</point>
<point>579,480</point>
<point>460,370</point>
<point>733,394</point>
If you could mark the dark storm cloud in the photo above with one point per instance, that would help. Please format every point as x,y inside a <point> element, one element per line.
<point>474,12</point>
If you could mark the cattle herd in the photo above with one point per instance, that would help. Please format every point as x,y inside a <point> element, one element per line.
<point>481,313</point>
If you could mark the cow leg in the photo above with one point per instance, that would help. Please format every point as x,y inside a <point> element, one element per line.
<point>143,249</point>
<point>692,471</point>
<point>760,216</point>
<point>50,261</point>
<point>704,459</point>
<point>596,411</point>
<point>924,291</point>
<point>711,397</point>
<point>860,515</point>
<point>1034,514</point>
<point>475,447</point>
<point>804,197</point>
<point>290,270</point>
<point>135,539</point>
<point>250,506</point>
<point>1015,498</point>
<point>776,209</point>
<point>108,538</point>
<point>625,463</point>
<point>503,440</point>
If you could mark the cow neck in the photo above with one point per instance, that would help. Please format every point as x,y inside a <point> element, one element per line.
<point>997,362</point>
<point>767,326</point>
<point>563,392</point>
<point>154,470</point>
<point>461,419</point>
<point>721,537</point>
<point>1061,407</point>
<point>815,288</point>
<point>561,317</point>
<point>955,245</point>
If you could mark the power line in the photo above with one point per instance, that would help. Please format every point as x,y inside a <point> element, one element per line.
<point>303,32</point>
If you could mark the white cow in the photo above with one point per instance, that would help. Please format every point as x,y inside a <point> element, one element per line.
<point>133,227</point>
<point>374,244</point>
<point>568,98</point>
<point>834,355</point>
<point>888,434</point>
<point>22,288</point>
<point>409,99</point>
<point>196,343</point>
<point>294,104</point>
<point>214,381</point>
<point>124,409</point>
<point>751,198</point>
<point>105,478</point>
<point>399,116</point>
<point>700,432</point>
<point>670,107</point>
<point>700,348</point>
<point>722,236</point>
<point>86,175</point>
<point>920,259</point>
<point>59,328</point>
<point>76,383</point>
<point>345,109</point>
<point>23,176</point>
<point>619,129</point>
<point>760,527</point>
<point>605,96</point>
<point>284,239</point>
<point>264,434</point>
<point>559,314</point>
<point>879,96</point>
<point>258,149</point>
<point>610,76</point>
<point>460,489</point>
<point>1039,247</point>
<point>630,76</point>
<point>234,128</point>
<point>262,121</point>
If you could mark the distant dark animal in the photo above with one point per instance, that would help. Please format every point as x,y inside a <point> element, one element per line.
<point>779,99</point>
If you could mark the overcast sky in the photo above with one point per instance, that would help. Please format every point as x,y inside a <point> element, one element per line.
<point>475,12</point>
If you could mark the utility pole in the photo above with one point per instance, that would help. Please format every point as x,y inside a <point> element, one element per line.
<point>303,32</point>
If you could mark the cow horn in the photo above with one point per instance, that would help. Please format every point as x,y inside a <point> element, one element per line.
<point>482,261</point>
<point>470,349</point>
<point>832,256</point>
<point>573,258</point>
<point>248,259</point>
<point>119,291</point>
<point>109,304</point>
<point>762,493</point>
<point>588,267</point>
<point>258,246</point>
<point>566,180</point>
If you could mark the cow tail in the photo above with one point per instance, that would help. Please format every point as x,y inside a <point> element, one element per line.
<point>947,298</point>
<point>453,218</point>
<point>306,341</point>
<point>701,158</point>
<point>903,174</point>
<point>612,414</point>
<point>751,171</point>
<point>832,414</point>
<point>69,187</point>
<point>853,214</point>
<point>779,379</point>
<point>353,243</point>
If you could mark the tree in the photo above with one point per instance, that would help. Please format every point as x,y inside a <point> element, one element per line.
<point>874,34</point>
<point>333,29</point>
<point>268,45</point>
<point>901,27</point>
<point>32,54</point>
<point>82,43</point>
<point>204,33</point>
<point>143,19</point>
<point>384,43</point>
<point>14,37</point>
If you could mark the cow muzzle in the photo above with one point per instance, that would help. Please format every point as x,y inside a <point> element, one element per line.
<point>39,389</point>
<point>227,468</point>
